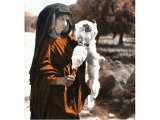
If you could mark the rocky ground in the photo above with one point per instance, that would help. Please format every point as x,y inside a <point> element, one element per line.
<point>116,99</point>
<point>117,76</point>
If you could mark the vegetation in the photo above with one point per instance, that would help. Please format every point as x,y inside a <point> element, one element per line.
<point>112,16</point>
<point>115,17</point>
<point>30,22</point>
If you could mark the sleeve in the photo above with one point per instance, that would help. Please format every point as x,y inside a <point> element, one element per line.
<point>49,68</point>
<point>72,40</point>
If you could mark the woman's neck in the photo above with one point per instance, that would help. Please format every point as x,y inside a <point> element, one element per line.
<point>54,34</point>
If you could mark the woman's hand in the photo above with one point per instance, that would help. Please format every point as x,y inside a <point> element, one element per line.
<point>66,81</point>
<point>87,28</point>
<point>69,81</point>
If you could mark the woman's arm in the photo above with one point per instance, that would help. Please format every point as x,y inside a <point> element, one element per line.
<point>66,81</point>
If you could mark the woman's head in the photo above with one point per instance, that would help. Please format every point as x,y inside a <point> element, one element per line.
<point>51,17</point>
<point>62,22</point>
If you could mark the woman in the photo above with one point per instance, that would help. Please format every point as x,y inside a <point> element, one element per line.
<point>55,93</point>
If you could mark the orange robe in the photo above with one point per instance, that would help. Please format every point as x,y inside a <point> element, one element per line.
<point>56,101</point>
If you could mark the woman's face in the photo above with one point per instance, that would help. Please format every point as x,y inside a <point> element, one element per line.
<point>61,23</point>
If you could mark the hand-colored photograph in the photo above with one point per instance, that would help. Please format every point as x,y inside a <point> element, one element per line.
<point>79,59</point>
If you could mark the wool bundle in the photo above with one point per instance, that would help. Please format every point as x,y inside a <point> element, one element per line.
<point>79,55</point>
<point>86,50</point>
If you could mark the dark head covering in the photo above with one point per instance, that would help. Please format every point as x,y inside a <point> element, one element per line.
<point>46,19</point>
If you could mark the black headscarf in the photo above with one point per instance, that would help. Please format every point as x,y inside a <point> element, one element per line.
<point>46,19</point>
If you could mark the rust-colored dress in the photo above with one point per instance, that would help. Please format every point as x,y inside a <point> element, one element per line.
<point>56,101</point>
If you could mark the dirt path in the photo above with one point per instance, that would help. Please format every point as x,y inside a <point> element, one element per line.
<point>98,113</point>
